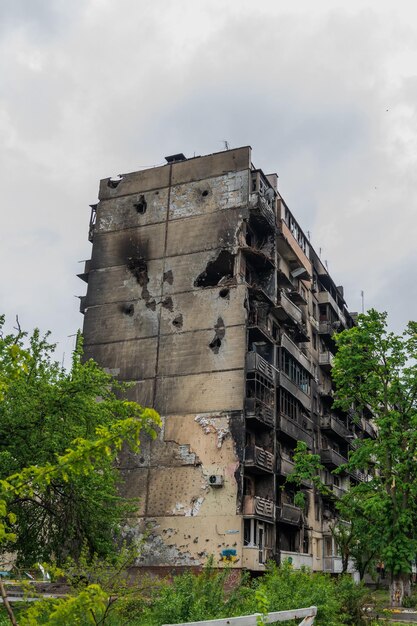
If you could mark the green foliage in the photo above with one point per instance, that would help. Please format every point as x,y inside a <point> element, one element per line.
<point>287,588</point>
<point>375,370</point>
<point>193,597</point>
<point>55,499</point>
<point>87,607</point>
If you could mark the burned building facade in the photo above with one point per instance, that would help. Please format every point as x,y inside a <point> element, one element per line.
<point>204,293</point>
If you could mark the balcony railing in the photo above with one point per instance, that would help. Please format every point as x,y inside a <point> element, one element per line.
<point>329,456</point>
<point>297,559</point>
<point>256,363</point>
<point>258,507</point>
<point>331,424</point>
<point>326,359</point>
<point>326,328</point>
<point>332,564</point>
<point>260,207</point>
<point>258,410</point>
<point>294,430</point>
<point>286,309</point>
<point>285,467</point>
<point>295,351</point>
<point>338,492</point>
<point>324,297</point>
<point>368,428</point>
<point>289,514</point>
<point>259,459</point>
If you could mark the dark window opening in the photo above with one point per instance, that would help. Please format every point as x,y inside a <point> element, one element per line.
<point>141,205</point>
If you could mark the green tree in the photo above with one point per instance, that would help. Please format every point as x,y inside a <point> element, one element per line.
<point>43,408</point>
<point>375,371</point>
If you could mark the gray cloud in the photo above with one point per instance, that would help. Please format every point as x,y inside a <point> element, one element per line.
<point>325,95</point>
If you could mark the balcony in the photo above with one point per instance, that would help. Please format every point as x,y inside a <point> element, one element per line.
<point>258,507</point>
<point>295,351</point>
<point>330,424</point>
<point>256,363</point>
<point>367,428</point>
<point>297,559</point>
<point>258,318</point>
<point>287,310</point>
<point>86,271</point>
<point>330,457</point>
<point>259,259</point>
<point>337,492</point>
<point>325,390</point>
<point>324,297</point>
<point>358,475</point>
<point>285,467</point>
<point>289,514</point>
<point>257,410</point>
<point>326,360</point>
<point>332,564</point>
<point>286,383</point>
<point>326,329</point>
<point>262,210</point>
<point>258,460</point>
<point>292,429</point>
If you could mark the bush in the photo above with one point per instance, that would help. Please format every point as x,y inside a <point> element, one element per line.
<point>287,588</point>
<point>191,598</point>
<point>354,596</point>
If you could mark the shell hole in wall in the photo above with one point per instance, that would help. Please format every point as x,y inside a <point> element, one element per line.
<point>141,205</point>
<point>224,293</point>
<point>205,193</point>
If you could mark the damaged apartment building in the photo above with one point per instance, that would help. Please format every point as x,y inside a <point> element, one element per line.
<point>205,294</point>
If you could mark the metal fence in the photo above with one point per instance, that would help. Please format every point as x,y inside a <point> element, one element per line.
<point>308,615</point>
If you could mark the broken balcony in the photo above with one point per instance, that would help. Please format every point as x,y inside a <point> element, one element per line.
<point>256,363</point>
<point>326,359</point>
<point>289,514</point>
<point>86,271</point>
<point>258,258</point>
<point>258,507</point>
<point>258,460</point>
<point>258,318</point>
<point>324,297</point>
<point>292,429</point>
<point>259,411</point>
<point>285,310</point>
<point>333,426</point>
<point>262,210</point>
<point>331,458</point>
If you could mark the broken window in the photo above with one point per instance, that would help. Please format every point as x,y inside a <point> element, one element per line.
<point>217,270</point>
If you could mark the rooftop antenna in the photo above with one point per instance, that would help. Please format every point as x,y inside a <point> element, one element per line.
<point>363,301</point>
<point>226,144</point>
<point>308,235</point>
<point>327,265</point>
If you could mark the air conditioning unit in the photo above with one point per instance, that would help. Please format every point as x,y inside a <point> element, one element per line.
<point>216,480</point>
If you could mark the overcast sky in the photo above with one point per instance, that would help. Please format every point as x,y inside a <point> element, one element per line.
<point>325,92</point>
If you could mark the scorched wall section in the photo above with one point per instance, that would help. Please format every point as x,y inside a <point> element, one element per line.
<point>165,309</point>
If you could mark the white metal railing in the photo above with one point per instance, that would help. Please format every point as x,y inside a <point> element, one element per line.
<point>307,614</point>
